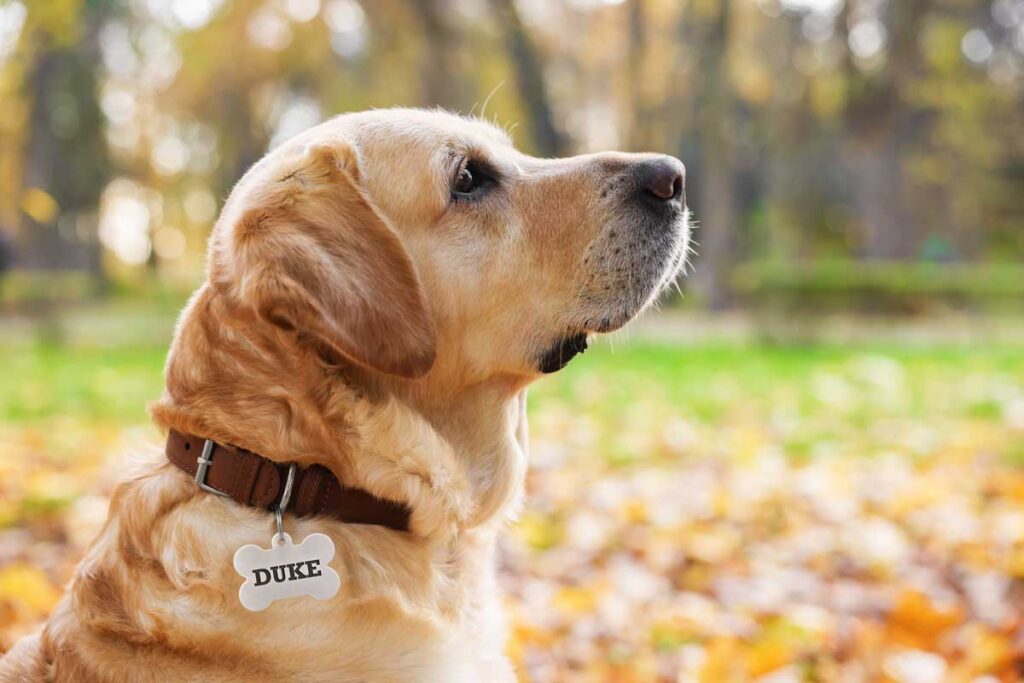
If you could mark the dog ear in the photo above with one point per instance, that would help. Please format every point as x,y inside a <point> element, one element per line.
<point>313,256</point>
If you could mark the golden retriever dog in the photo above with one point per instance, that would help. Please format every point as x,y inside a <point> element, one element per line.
<point>381,289</point>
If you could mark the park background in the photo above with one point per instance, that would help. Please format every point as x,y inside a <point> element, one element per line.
<point>805,466</point>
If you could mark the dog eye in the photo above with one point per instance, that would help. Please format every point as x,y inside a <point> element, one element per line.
<point>465,183</point>
<point>471,180</point>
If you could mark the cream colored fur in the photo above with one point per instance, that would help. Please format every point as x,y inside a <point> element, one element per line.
<point>355,316</point>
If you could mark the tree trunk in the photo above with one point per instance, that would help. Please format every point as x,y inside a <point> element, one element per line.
<point>65,157</point>
<point>247,143</point>
<point>716,206</point>
<point>444,82</point>
<point>548,139</point>
<point>65,154</point>
<point>638,116</point>
<point>882,125</point>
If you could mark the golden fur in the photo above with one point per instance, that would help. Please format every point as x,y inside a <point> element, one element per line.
<point>356,316</point>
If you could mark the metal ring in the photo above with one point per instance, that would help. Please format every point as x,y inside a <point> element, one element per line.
<point>288,484</point>
<point>285,499</point>
<point>279,521</point>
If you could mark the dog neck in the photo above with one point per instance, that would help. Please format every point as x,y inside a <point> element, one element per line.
<point>484,423</point>
<point>450,453</point>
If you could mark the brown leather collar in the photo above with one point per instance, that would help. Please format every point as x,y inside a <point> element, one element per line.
<point>256,481</point>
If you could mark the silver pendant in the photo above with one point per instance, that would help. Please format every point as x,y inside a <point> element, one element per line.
<point>286,570</point>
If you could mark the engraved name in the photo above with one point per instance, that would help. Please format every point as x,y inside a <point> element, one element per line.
<point>282,573</point>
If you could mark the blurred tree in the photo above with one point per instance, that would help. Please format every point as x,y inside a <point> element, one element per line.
<point>638,117</point>
<point>445,82</point>
<point>63,160</point>
<point>548,139</point>
<point>882,124</point>
<point>864,129</point>
<point>715,124</point>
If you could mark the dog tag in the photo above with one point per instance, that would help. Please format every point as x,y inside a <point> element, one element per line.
<point>286,571</point>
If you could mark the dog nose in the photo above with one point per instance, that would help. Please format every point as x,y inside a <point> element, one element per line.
<point>663,179</point>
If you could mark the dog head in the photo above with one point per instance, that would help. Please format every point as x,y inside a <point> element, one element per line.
<point>411,242</point>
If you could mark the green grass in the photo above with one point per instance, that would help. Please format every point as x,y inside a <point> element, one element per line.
<point>100,384</point>
<point>861,401</point>
<point>705,383</point>
<point>710,380</point>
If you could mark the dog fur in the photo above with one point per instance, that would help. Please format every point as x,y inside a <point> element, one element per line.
<point>360,315</point>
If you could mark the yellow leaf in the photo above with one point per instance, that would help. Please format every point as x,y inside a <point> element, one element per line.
<point>575,600</point>
<point>1016,563</point>
<point>987,651</point>
<point>538,531</point>
<point>916,622</point>
<point>40,205</point>
<point>28,590</point>
<point>635,512</point>
<point>777,645</point>
<point>723,662</point>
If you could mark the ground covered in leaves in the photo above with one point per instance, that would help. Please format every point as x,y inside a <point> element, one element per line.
<point>692,514</point>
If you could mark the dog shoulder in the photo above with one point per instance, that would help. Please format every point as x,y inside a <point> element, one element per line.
<point>25,662</point>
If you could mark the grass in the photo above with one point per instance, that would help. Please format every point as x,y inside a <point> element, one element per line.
<point>101,384</point>
<point>713,380</point>
<point>114,383</point>
<point>832,391</point>
<point>859,400</point>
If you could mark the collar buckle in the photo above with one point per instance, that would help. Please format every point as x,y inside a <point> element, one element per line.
<point>205,460</point>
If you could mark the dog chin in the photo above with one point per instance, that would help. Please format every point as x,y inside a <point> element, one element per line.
<point>558,355</point>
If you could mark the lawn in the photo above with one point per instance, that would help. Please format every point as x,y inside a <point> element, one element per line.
<point>714,512</point>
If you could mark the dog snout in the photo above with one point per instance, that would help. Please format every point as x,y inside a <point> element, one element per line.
<point>662,181</point>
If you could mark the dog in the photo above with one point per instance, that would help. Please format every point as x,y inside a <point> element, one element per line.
<point>380,291</point>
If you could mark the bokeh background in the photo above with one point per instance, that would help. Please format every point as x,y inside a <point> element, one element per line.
<point>806,466</point>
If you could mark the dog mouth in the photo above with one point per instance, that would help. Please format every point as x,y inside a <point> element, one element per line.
<point>558,355</point>
<point>649,278</point>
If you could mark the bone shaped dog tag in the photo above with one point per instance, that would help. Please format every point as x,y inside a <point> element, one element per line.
<point>286,571</point>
